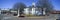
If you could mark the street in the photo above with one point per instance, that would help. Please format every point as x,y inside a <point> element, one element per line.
<point>6,17</point>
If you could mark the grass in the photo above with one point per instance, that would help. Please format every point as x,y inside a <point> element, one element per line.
<point>30,15</point>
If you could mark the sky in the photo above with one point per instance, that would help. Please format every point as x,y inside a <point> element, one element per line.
<point>10,3</point>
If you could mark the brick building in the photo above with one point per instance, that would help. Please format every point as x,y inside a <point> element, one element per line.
<point>55,12</point>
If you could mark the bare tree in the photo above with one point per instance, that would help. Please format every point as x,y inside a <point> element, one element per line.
<point>44,4</point>
<point>19,6</point>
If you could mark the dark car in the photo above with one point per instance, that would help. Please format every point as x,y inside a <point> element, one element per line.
<point>22,15</point>
<point>15,14</point>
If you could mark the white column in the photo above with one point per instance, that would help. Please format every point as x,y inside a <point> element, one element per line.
<point>0,11</point>
<point>33,11</point>
<point>27,10</point>
<point>44,11</point>
<point>18,13</point>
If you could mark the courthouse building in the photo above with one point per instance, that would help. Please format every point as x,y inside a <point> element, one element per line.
<point>34,10</point>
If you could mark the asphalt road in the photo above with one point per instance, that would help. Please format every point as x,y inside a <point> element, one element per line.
<point>7,17</point>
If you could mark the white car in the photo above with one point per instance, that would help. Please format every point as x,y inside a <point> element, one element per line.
<point>38,13</point>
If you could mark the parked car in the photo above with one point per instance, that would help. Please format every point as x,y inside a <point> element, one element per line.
<point>22,15</point>
<point>38,13</point>
<point>15,14</point>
